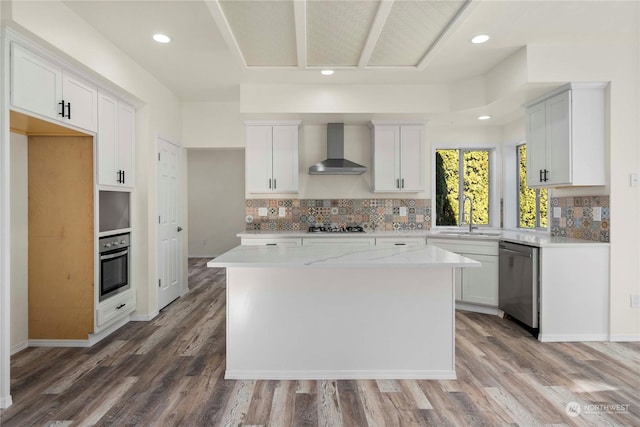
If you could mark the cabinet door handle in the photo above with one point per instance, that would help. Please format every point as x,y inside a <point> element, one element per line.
<point>274,183</point>
<point>541,175</point>
<point>61,104</point>
<point>120,306</point>
<point>119,180</point>
<point>546,178</point>
<point>397,183</point>
<point>269,183</point>
<point>68,111</point>
<point>123,180</point>
<point>402,182</point>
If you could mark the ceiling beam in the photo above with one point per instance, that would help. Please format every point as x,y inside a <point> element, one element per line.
<point>457,20</point>
<point>376,29</point>
<point>225,29</point>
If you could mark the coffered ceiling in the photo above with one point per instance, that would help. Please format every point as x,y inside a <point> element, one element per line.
<point>313,33</point>
<point>219,45</point>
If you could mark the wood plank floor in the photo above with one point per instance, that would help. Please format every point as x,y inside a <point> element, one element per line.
<point>170,371</point>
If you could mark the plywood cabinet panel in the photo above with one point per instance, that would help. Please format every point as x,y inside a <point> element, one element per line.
<point>61,242</point>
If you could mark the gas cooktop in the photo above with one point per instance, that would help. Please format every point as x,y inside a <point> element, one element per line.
<point>349,229</point>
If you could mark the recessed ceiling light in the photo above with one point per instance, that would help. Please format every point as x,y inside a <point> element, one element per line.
<point>326,72</point>
<point>480,39</point>
<point>161,38</point>
<point>485,117</point>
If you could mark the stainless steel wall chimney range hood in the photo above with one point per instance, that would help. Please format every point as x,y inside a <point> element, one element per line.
<point>336,164</point>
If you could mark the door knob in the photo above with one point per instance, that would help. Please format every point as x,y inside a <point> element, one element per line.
<point>179,228</point>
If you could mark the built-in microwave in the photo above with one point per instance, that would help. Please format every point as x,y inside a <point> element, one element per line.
<point>114,210</point>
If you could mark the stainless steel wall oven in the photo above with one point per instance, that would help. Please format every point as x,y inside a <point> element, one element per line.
<point>114,265</point>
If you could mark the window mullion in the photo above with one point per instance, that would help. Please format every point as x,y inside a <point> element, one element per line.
<point>461,186</point>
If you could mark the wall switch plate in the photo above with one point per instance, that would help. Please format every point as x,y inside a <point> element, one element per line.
<point>597,213</point>
<point>263,211</point>
<point>282,212</point>
<point>633,179</point>
<point>635,300</point>
<point>403,211</point>
<point>557,212</point>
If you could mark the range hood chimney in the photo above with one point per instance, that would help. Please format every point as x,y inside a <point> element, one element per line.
<point>336,164</point>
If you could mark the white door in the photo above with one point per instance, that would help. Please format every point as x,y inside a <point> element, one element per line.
<point>169,236</point>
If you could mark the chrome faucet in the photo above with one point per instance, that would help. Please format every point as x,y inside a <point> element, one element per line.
<point>464,201</point>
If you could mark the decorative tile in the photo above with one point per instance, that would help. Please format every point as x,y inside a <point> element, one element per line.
<point>576,218</point>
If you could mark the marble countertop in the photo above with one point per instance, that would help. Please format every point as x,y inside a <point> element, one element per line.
<point>515,236</point>
<point>337,255</point>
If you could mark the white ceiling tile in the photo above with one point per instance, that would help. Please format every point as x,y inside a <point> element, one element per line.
<point>412,27</point>
<point>337,31</point>
<point>263,30</point>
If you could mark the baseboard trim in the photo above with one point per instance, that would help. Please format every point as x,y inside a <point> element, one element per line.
<point>19,347</point>
<point>625,337</point>
<point>479,309</point>
<point>5,402</point>
<point>339,375</point>
<point>144,317</point>
<point>572,338</point>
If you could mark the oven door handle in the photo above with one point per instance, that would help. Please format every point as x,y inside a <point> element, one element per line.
<point>114,255</point>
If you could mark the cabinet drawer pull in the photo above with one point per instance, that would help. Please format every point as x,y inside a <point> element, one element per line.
<point>272,244</point>
<point>400,244</point>
<point>120,306</point>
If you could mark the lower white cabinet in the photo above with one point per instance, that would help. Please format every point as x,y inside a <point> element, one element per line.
<point>353,241</point>
<point>400,241</point>
<point>475,285</point>
<point>115,308</point>
<point>285,241</point>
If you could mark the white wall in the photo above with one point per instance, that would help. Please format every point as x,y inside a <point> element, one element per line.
<point>19,243</point>
<point>216,202</point>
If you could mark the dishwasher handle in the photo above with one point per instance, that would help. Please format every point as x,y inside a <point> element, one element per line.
<point>511,251</point>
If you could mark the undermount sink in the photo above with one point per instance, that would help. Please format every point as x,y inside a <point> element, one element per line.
<point>471,233</point>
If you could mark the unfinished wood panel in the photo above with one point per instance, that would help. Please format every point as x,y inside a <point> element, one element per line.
<point>61,242</point>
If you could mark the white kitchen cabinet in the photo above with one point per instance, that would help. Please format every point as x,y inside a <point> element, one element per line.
<point>565,134</point>
<point>114,309</point>
<point>45,88</point>
<point>399,157</point>
<point>330,240</point>
<point>400,241</point>
<point>116,141</point>
<point>475,285</point>
<point>259,241</point>
<point>271,157</point>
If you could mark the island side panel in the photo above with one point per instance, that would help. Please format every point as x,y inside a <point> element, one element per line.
<point>309,323</point>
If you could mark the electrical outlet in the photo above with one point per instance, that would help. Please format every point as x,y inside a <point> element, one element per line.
<point>597,213</point>
<point>635,300</point>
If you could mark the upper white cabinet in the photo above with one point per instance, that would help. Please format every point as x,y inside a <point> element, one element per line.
<point>116,141</point>
<point>399,157</point>
<point>43,87</point>
<point>566,137</point>
<point>271,157</point>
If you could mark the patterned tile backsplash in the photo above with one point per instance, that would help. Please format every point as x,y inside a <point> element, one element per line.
<point>372,214</point>
<point>584,217</point>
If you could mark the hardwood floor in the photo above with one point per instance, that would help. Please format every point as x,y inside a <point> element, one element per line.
<point>170,371</point>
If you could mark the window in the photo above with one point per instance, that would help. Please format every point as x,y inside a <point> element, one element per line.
<point>533,204</point>
<point>462,172</point>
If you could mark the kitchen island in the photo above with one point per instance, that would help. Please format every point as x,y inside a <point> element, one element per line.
<point>340,312</point>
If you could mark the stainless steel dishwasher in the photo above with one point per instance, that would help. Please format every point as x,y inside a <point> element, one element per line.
<point>518,287</point>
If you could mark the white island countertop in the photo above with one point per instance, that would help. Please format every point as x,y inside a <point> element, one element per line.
<point>338,255</point>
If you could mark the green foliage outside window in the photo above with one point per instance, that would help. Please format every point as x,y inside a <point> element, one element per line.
<point>532,203</point>
<point>473,167</point>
